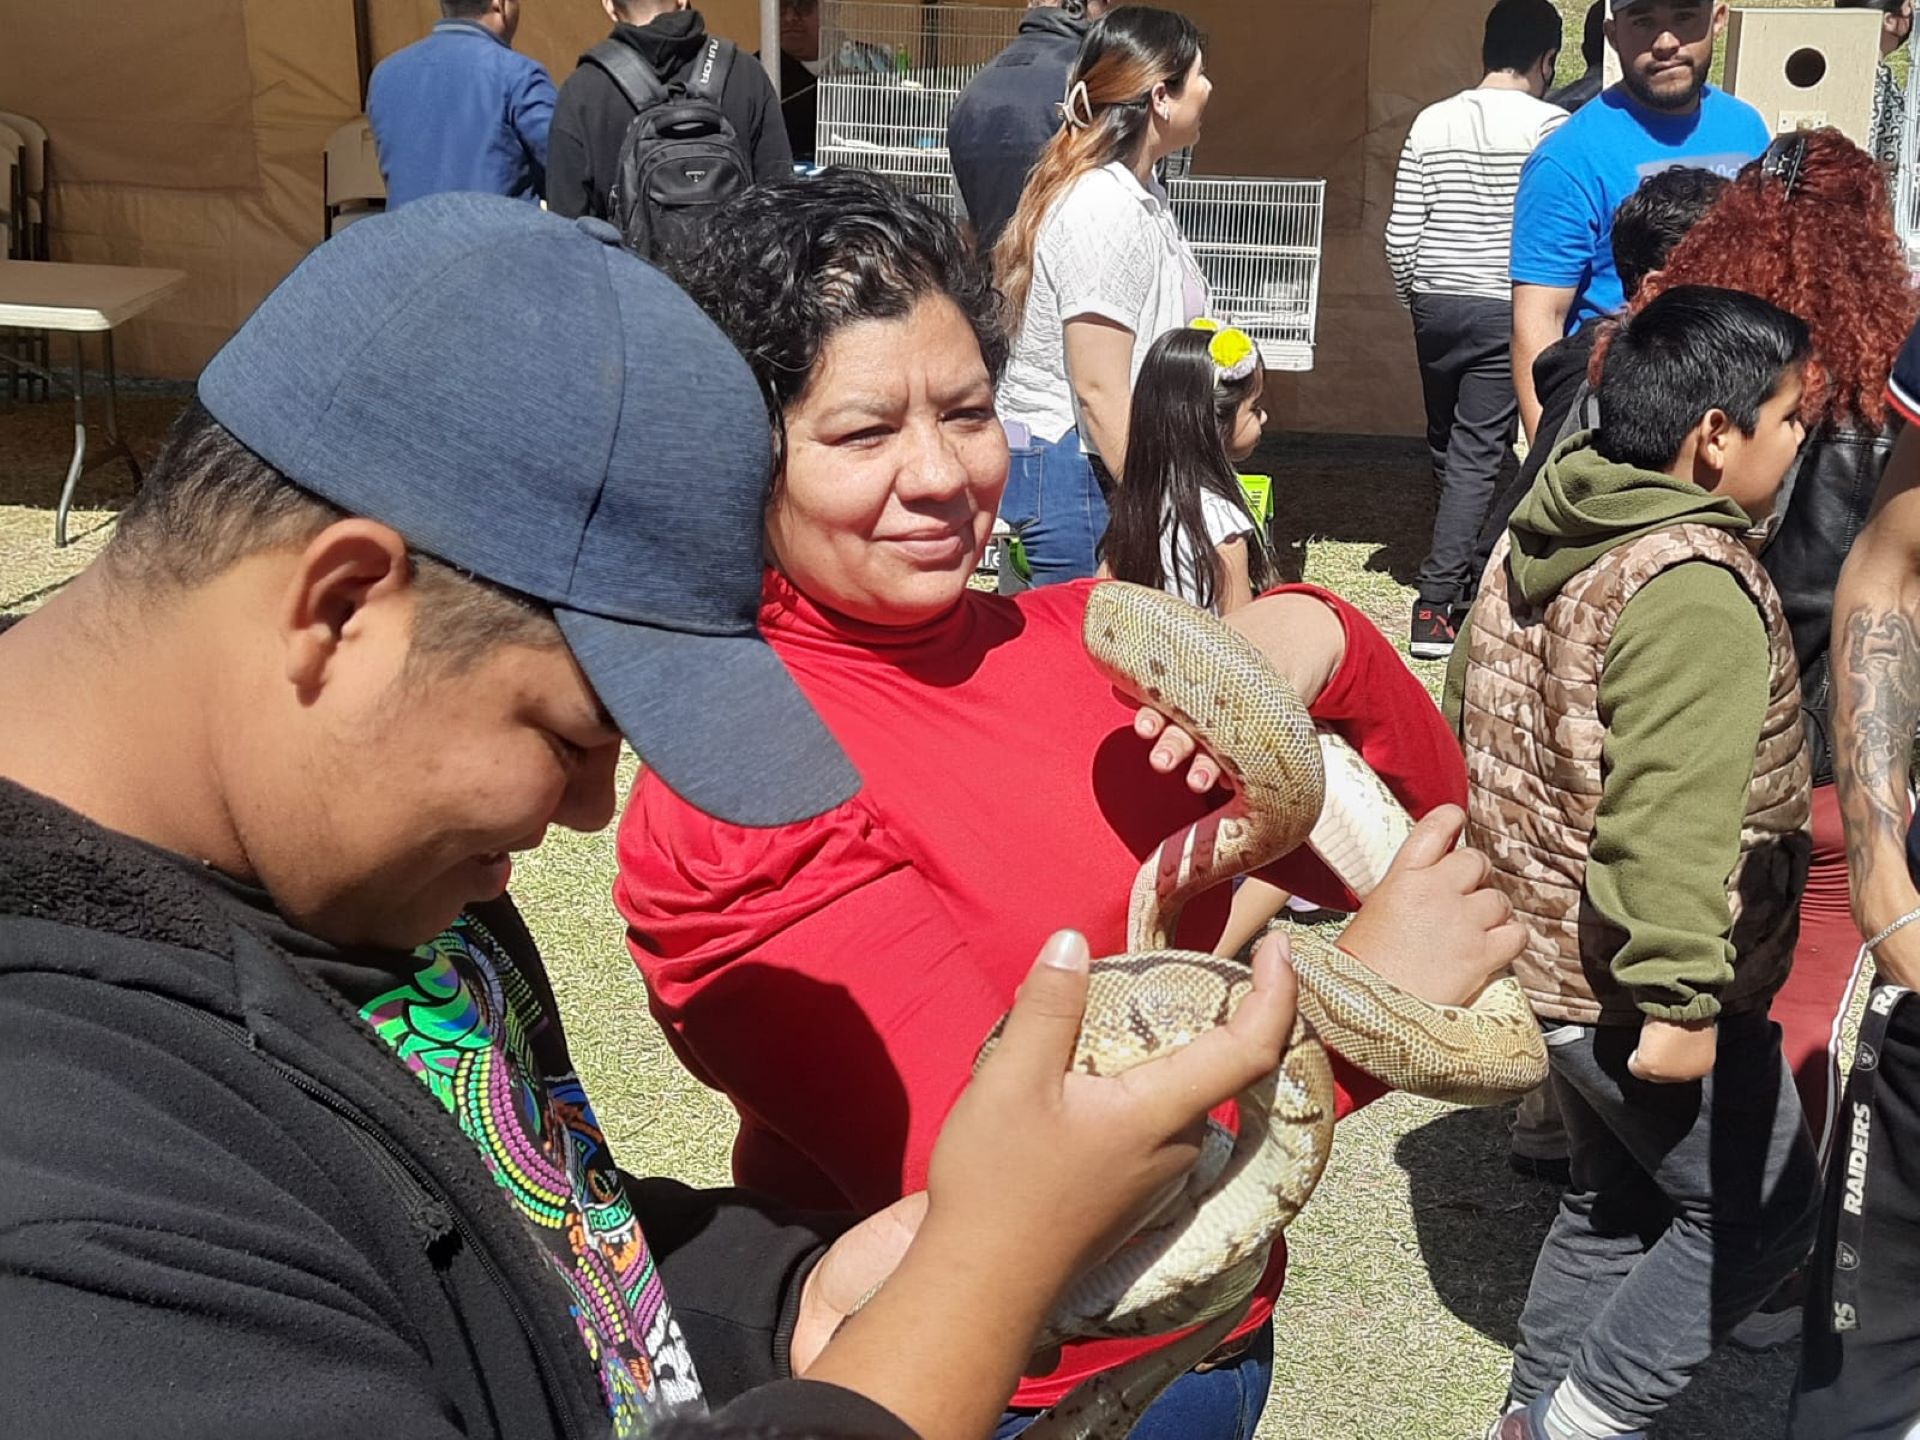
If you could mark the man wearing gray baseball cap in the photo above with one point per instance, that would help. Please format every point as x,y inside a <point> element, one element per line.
<point>292,1142</point>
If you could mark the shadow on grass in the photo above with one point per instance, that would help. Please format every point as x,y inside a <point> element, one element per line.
<point>1479,1224</point>
<point>1480,1227</point>
<point>1369,489</point>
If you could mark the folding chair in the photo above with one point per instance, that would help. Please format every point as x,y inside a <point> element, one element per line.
<point>36,244</point>
<point>33,141</point>
<point>354,186</point>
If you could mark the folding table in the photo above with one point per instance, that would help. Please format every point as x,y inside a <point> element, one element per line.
<point>54,295</point>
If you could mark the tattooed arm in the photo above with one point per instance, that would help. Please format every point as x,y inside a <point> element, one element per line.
<point>1876,704</point>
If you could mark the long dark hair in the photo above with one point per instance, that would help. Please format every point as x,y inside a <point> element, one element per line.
<point>1176,448</point>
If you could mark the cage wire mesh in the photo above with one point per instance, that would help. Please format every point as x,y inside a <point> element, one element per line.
<point>1258,243</point>
<point>893,73</point>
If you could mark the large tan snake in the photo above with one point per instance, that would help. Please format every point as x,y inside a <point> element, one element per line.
<point>1199,1258</point>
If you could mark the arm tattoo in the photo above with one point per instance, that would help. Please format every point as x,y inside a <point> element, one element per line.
<point>1879,683</point>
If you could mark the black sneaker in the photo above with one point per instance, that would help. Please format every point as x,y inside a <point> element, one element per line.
<point>1432,633</point>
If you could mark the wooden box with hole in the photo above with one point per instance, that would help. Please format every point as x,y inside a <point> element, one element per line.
<point>1802,69</point>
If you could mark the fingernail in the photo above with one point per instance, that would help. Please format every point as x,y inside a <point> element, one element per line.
<point>1066,950</point>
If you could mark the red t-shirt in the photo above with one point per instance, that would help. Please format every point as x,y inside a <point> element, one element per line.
<point>835,977</point>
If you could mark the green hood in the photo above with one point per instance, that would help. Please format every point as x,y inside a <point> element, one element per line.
<point>1582,505</point>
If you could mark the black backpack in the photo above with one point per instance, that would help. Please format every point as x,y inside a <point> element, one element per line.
<point>680,156</point>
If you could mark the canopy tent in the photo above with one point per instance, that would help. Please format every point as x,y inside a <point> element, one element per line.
<point>189,135</point>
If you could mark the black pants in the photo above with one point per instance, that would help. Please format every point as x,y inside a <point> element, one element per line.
<point>1464,344</point>
<point>1860,1365</point>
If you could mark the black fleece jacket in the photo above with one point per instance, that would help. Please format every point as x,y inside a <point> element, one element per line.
<point>590,118</point>
<point>227,1211</point>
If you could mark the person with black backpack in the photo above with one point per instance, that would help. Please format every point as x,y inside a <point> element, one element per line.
<point>661,122</point>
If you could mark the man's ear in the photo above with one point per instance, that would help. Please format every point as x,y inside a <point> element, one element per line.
<point>342,570</point>
<point>613,11</point>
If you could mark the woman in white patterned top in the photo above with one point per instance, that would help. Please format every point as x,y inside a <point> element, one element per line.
<point>1094,268</point>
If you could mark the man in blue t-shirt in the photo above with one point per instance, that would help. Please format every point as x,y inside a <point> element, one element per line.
<point>1662,114</point>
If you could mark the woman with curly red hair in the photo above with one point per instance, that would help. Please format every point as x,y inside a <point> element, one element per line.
<point>1808,227</point>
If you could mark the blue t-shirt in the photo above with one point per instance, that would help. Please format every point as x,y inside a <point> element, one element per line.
<point>1576,179</point>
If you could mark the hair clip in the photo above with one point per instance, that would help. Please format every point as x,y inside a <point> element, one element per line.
<point>1232,351</point>
<point>1784,159</point>
<point>1077,108</point>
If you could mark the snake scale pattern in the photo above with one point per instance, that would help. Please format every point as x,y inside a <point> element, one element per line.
<point>1198,1259</point>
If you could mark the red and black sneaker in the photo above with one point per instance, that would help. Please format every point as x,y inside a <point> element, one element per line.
<point>1432,634</point>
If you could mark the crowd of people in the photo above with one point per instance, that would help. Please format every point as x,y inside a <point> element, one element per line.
<point>296,1144</point>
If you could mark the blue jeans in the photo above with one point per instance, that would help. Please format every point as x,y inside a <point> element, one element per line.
<point>1054,503</point>
<point>1223,1403</point>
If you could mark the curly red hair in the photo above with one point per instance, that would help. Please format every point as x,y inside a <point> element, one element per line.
<point>1827,252</point>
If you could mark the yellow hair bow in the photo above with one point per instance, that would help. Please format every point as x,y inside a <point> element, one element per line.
<point>1232,350</point>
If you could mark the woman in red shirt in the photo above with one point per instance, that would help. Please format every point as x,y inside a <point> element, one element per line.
<point>834,978</point>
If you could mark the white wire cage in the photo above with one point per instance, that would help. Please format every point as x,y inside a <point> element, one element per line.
<point>894,71</point>
<point>1258,242</point>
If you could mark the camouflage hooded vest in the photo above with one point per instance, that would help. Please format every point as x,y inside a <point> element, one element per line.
<point>1533,737</point>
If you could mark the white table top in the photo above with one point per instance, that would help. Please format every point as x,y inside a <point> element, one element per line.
<point>53,295</point>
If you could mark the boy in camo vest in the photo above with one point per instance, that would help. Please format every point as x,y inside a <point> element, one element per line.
<point>1638,777</point>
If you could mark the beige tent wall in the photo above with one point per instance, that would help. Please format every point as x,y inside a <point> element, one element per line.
<point>185,135</point>
<point>189,135</point>
<point>1311,90</point>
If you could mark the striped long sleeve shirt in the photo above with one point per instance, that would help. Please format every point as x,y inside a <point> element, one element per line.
<point>1452,222</point>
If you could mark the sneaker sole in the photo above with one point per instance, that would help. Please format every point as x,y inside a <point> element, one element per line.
<point>1428,650</point>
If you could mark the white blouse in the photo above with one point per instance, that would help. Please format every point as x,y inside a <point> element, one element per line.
<point>1109,249</point>
<point>1223,520</point>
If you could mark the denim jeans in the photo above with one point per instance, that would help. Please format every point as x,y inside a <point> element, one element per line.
<point>1223,1403</point>
<point>1055,505</point>
<point>1689,1205</point>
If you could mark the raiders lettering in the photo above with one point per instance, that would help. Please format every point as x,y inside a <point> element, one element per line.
<point>1854,1201</point>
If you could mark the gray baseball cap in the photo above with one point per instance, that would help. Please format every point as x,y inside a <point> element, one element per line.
<point>527,401</point>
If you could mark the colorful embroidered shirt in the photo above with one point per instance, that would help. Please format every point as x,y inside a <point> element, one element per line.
<point>481,1034</point>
